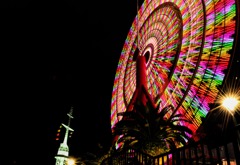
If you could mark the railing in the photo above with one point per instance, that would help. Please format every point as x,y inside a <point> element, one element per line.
<point>196,154</point>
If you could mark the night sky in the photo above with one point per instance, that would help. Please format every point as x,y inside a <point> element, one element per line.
<point>55,55</point>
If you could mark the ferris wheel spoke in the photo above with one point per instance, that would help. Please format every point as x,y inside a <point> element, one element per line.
<point>186,45</point>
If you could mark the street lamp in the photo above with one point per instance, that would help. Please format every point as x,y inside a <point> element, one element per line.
<point>231,103</point>
<point>71,161</point>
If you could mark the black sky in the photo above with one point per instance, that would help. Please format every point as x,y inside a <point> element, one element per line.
<point>55,54</point>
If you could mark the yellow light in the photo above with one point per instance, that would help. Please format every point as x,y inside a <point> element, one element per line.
<point>71,161</point>
<point>230,103</point>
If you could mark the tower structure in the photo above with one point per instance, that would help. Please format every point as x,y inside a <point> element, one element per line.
<point>63,150</point>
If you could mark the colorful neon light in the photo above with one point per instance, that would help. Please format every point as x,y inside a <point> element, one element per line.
<point>188,42</point>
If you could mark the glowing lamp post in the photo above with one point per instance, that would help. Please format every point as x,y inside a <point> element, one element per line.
<point>71,161</point>
<point>232,104</point>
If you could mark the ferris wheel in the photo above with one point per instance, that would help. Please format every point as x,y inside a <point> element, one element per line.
<point>186,45</point>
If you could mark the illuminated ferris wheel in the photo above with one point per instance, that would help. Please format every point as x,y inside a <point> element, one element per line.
<point>186,45</point>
